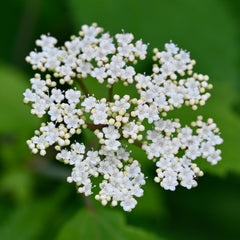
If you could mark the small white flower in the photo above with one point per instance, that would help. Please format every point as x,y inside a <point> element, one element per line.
<point>183,56</point>
<point>171,47</point>
<point>38,85</point>
<point>46,42</point>
<point>140,49</point>
<point>99,117</point>
<point>73,96</point>
<point>55,113</point>
<point>72,122</point>
<point>110,132</point>
<point>112,144</point>
<point>36,58</point>
<point>57,95</point>
<point>214,157</point>
<point>73,47</point>
<point>29,96</point>
<point>124,38</point>
<point>89,103</point>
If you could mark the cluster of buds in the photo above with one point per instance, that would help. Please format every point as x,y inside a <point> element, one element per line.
<point>117,121</point>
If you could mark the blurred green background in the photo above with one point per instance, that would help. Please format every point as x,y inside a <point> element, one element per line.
<point>35,200</point>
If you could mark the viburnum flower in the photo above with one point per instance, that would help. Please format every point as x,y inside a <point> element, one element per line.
<point>119,120</point>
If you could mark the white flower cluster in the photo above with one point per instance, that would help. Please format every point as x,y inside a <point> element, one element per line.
<point>119,121</point>
<point>175,148</point>
<point>90,54</point>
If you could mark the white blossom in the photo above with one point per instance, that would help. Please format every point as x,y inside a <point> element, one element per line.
<point>119,121</point>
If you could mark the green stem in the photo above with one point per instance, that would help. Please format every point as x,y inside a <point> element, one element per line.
<point>83,87</point>
<point>137,143</point>
<point>110,94</point>
<point>88,203</point>
<point>92,126</point>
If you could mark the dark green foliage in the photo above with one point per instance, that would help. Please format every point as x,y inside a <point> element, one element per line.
<point>35,200</point>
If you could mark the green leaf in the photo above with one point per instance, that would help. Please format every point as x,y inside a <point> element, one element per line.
<point>30,221</point>
<point>15,116</point>
<point>16,126</point>
<point>18,183</point>
<point>101,225</point>
<point>210,211</point>
<point>16,122</point>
